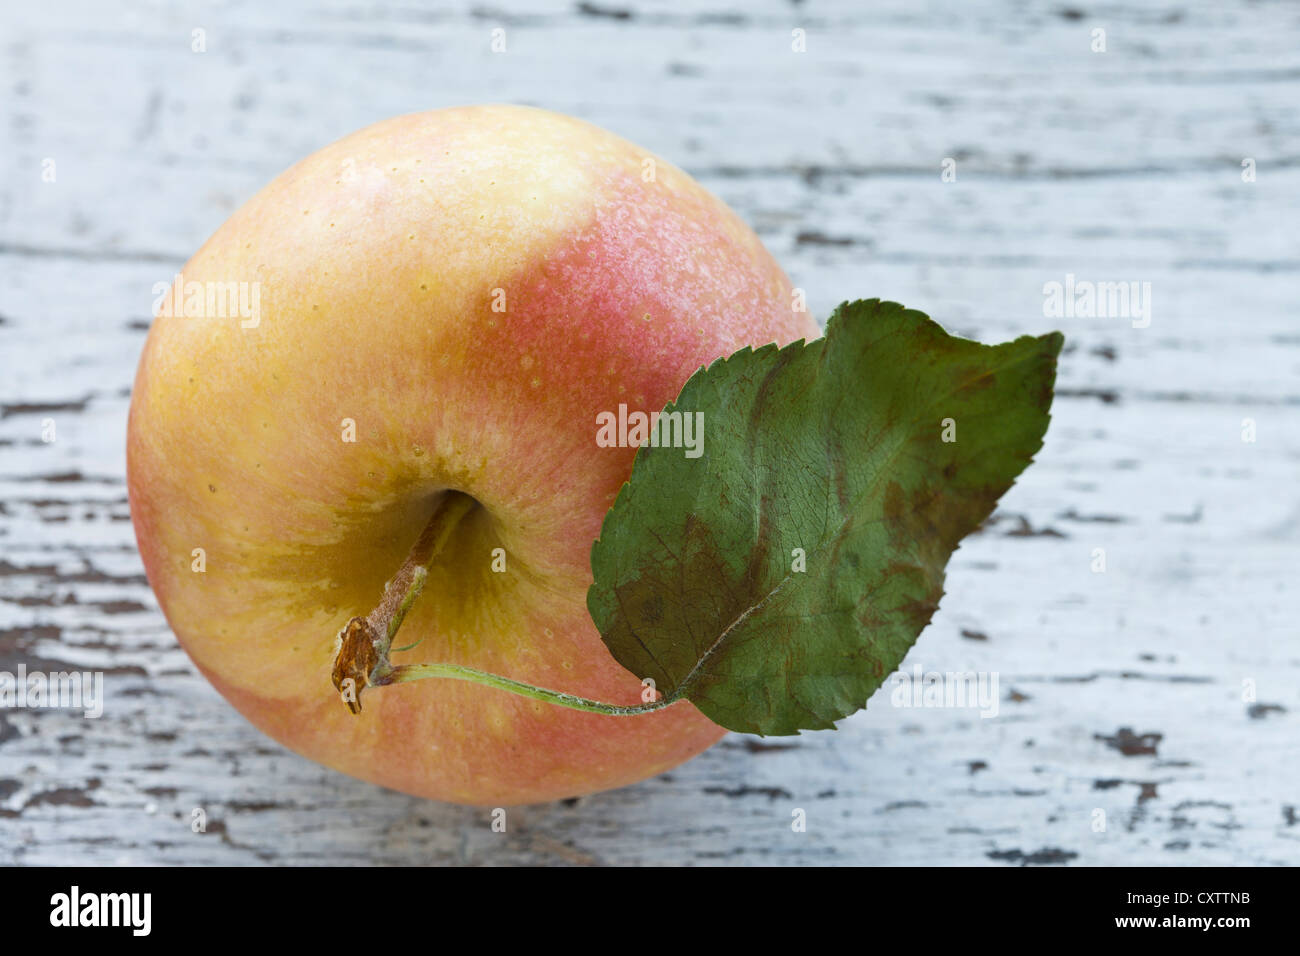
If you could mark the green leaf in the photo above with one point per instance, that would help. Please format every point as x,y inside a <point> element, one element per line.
<point>834,447</point>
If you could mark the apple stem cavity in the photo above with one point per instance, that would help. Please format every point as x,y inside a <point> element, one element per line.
<point>364,644</point>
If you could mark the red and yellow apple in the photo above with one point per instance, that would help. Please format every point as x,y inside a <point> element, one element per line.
<point>444,301</point>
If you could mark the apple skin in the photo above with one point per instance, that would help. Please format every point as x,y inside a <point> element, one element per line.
<point>378,261</point>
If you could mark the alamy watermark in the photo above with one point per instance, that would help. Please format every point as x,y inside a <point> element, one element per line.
<point>952,689</point>
<point>209,300</point>
<point>133,911</point>
<point>61,690</point>
<point>674,429</point>
<point>1085,299</point>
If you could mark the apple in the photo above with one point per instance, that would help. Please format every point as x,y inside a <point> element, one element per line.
<point>442,301</point>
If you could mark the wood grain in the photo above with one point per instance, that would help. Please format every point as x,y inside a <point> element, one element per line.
<point>1122,692</point>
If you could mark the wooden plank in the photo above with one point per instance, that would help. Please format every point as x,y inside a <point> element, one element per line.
<point>1117,166</point>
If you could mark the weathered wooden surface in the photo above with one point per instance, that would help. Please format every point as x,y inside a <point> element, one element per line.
<point>1123,165</point>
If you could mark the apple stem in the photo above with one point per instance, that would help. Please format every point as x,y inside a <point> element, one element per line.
<point>361,657</point>
<point>410,672</point>
<point>400,592</point>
